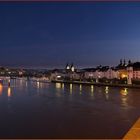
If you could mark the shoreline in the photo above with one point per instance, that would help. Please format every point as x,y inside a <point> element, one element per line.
<point>96,84</point>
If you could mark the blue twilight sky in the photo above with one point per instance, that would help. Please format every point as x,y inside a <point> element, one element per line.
<point>50,34</point>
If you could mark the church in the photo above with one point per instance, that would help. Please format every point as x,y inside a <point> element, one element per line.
<point>70,68</point>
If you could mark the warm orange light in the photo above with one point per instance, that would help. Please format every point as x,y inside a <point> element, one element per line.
<point>9,92</point>
<point>1,88</point>
<point>123,76</point>
<point>124,92</point>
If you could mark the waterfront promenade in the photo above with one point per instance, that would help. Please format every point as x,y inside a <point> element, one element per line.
<point>134,132</point>
<point>96,84</point>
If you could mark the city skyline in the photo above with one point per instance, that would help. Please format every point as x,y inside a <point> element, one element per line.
<point>50,34</point>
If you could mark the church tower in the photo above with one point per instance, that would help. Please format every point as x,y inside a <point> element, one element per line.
<point>72,67</point>
<point>67,67</point>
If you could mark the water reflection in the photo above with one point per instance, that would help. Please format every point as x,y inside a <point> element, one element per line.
<point>106,92</point>
<point>63,86</point>
<point>92,90</point>
<point>124,93</point>
<point>26,83</point>
<point>9,82</point>
<point>71,88</point>
<point>58,85</point>
<point>9,92</point>
<point>80,88</point>
<point>38,84</point>
<point>1,88</point>
<point>91,106</point>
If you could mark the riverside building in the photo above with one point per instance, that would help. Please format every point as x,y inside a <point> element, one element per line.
<point>127,72</point>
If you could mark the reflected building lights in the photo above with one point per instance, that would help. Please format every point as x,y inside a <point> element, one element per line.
<point>58,85</point>
<point>106,89</point>
<point>106,92</point>
<point>38,84</point>
<point>1,89</point>
<point>80,88</point>
<point>70,88</point>
<point>63,86</point>
<point>9,92</point>
<point>92,90</point>
<point>9,82</point>
<point>41,85</point>
<point>124,91</point>
<point>106,95</point>
<point>26,84</point>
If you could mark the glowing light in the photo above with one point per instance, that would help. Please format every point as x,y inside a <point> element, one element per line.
<point>124,92</point>
<point>9,92</point>
<point>68,68</point>
<point>58,85</point>
<point>20,73</point>
<point>123,76</point>
<point>71,88</point>
<point>58,76</point>
<point>92,89</point>
<point>106,88</point>
<point>106,92</point>
<point>37,84</point>
<point>80,87</point>
<point>72,69</point>
<point>1,88</point>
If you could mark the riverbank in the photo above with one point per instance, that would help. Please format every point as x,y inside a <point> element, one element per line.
<point>96,84</point>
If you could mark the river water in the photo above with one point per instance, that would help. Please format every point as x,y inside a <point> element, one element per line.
<point>47,110</point>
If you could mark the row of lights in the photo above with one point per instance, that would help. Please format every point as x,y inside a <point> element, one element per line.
<point>59,86</point>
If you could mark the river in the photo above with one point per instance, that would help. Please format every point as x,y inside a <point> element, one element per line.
<point>48,110</point>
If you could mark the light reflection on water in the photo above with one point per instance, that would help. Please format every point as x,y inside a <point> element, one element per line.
<point>1,88</point>
<point>9,92</point>
<point>80,89</point>
<point>58,85</point>
<point>76,110</point>
<point>92,91</point>
<point>124,97</point>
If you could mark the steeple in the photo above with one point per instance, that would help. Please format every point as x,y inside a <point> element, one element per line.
<point>124,63</point>
<point>72,67</point>
<point>120,62</point>
<point>129,62</point>
<point>67,66</point>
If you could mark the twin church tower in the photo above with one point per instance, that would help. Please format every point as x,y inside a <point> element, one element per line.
<point>70,68</point>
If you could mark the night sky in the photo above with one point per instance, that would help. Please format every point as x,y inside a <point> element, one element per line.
<point>50,34</point>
